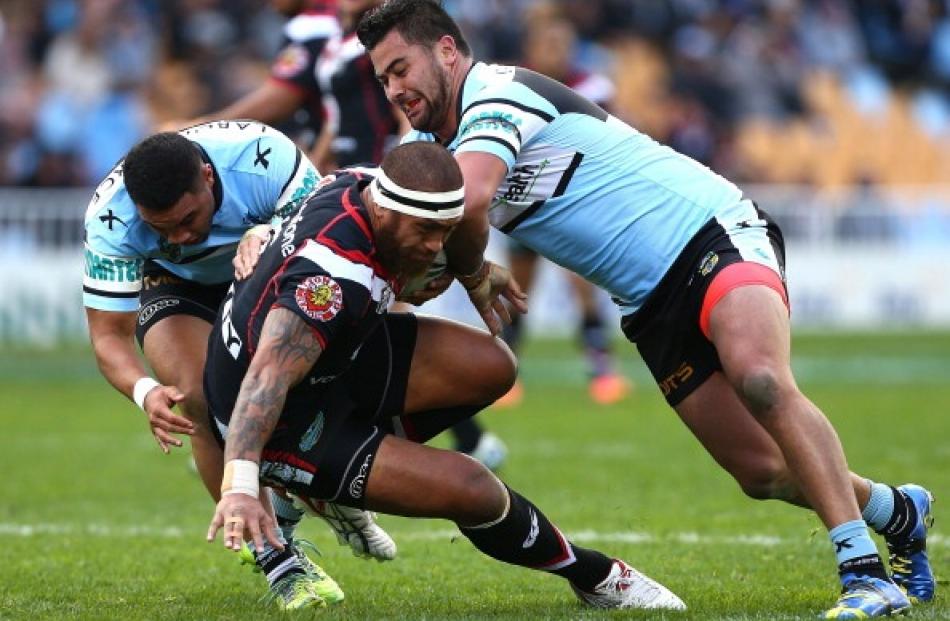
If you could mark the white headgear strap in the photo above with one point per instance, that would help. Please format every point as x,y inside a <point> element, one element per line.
<point>433,205</point>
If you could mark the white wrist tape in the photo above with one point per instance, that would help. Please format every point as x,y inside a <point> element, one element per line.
<point>241,476</point>
<point>141,389</point>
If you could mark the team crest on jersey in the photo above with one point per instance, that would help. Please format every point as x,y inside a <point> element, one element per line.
<point>291,61</point>
<point>320,297</point>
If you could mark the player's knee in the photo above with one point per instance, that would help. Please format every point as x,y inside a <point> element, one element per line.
<point>479,496</point>
<point>194,406</point>
<point>760,389</point>
<point>498,370</point>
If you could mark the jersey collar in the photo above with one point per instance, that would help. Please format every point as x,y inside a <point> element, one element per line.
<point>217,190</point>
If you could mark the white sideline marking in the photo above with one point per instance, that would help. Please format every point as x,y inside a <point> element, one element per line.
<point>581,536</point>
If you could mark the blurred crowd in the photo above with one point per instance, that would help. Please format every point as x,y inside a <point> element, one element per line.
<point>816,92</point>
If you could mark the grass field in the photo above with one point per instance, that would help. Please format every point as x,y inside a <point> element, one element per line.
<point>97,524</point>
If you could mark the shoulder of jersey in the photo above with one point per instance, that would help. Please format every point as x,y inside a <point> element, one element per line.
<point>228,131</point>
<point>306,27</point>
<point>227,143</point>
<point>492,75</point>
<point>343,178</point>
<point>594,86</point>
<point>494,81</point>
<point>110,203</point>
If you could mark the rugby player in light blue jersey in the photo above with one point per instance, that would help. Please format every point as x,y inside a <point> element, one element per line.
<point>696,268</point>
<point>165,232</point>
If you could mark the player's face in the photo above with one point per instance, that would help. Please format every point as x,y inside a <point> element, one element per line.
<point>416,78</point>
<point>188,221</point>
<point>407,245</point>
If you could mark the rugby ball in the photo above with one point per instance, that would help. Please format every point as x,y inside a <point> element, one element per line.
<point>417,283</point>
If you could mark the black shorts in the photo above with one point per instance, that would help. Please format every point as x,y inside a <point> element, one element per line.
<point>164,294</point>
<point>666,329</point>
<point>325,450</point>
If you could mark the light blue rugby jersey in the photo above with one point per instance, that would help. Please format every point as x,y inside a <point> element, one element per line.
<point>259,175</point>
<point>585,189</point>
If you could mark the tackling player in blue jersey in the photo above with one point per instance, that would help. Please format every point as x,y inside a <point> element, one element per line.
<point>696,268</point>
<point>165,232</point>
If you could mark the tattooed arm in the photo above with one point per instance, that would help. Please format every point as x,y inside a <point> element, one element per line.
<point>287,351</point>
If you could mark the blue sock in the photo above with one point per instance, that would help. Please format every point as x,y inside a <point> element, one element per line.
<point>855,551</point>
<point>880,507</point>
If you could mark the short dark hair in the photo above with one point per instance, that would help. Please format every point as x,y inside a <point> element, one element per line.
<point>423,166</point>
<point>418,21</point>
<point>159,170</point>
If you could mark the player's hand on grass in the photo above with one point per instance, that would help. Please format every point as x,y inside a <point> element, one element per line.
<point>249,250</point>
<point>162,420</point>
<point>239,515</point>
<point>433,289</point>
<point>487,287</point>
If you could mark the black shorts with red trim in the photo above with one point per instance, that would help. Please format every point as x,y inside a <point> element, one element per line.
<point>323,448</point>
<point>164,294</point>
<point>666,329</point>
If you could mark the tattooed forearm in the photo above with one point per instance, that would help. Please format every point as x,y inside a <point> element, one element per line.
<point>288,349</point>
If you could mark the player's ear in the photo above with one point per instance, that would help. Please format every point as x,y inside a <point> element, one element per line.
<point>207,173</point>
<point>447,50</point>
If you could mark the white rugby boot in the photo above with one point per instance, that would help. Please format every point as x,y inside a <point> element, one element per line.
<point>625,587</point>
<point>355,528</point>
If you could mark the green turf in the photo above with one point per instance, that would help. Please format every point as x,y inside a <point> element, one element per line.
<point>98,524</point>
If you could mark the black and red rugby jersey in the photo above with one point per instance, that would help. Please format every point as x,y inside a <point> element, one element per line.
<point>294,66</point>
<point>321,266</point>
<point>355,103</point>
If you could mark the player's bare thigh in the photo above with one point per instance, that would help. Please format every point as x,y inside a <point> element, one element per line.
<point>416,480</point>
<point>456,364</point>
<point>175,347</point>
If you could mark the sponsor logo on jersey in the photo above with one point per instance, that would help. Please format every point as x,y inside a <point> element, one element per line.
<point>291,61</point>
<point>310,438</point>
<point>358,484</point>
<point>320,297</point>
<point>111,269</point>
<point>148,311</point>
<point>522,179</point>
<point>491,121</point>
<point>304,190</point>
<point>287,246</point>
